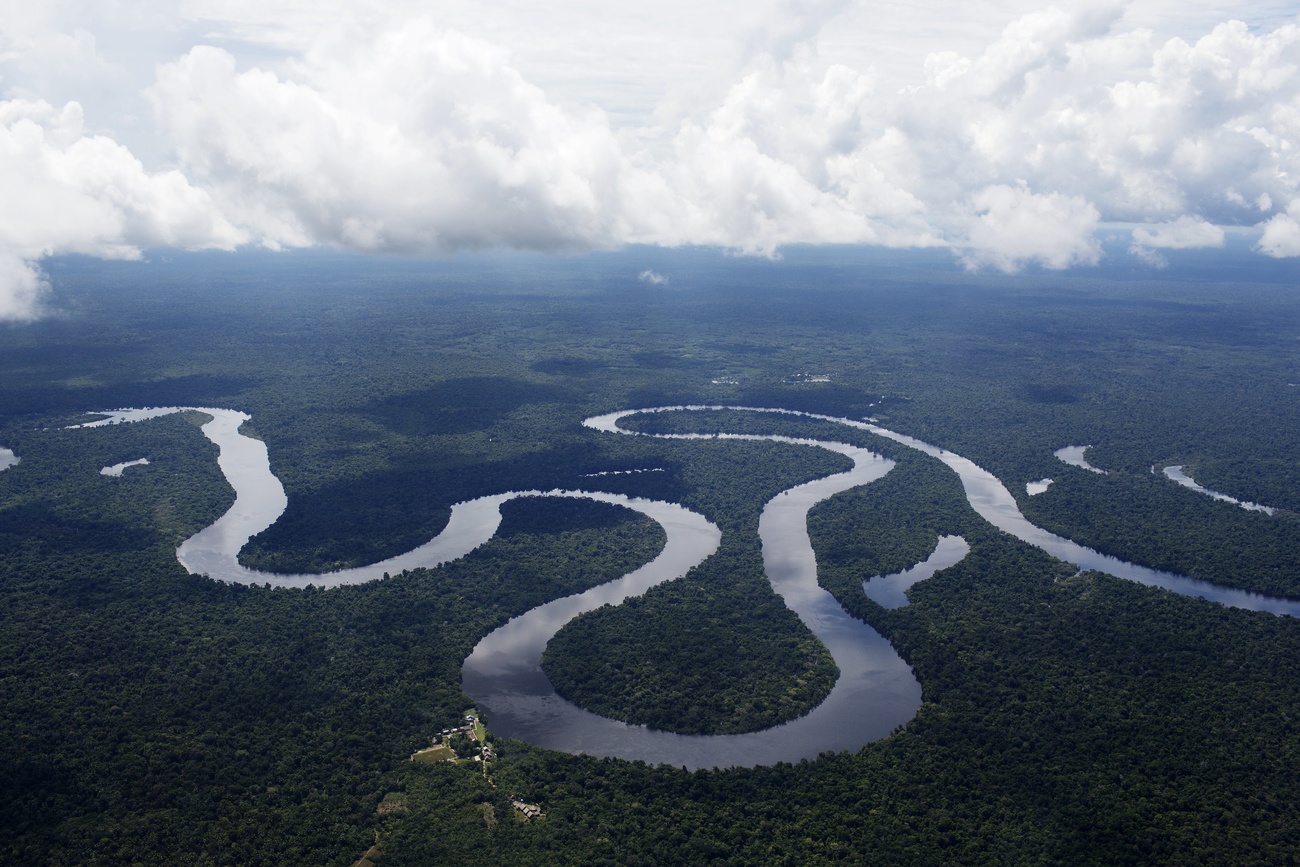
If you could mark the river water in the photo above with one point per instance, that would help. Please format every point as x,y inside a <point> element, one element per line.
<point>1176,474</point>
<point>990,498</point>
<point>876,691</point>
<point>1074,456</point>
<point>890,591</point>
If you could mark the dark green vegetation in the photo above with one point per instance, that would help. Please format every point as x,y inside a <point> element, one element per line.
<point>716,651</point>
<point>149,713</point>
<point>149,716</point>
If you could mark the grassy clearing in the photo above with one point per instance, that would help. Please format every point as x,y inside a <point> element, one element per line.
<point>439,753</point>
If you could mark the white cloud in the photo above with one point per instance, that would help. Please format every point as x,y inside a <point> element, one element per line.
<point>22,289</point>
<point>1010,157</point>
<point>761,171</point>
<point>1002,131</point>
<point>1281,237</point>
<point>1144,131</point>
<point>1185,233</point>
<point>654,278</point>
<point>67,192</point>
<point>416,139</point>
<point>1013,227</point>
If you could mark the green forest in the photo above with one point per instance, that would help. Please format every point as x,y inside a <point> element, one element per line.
<point>153,717</point>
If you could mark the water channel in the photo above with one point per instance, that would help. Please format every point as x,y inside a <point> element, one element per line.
<point>876,691</point>
<point>1176,474</point>
<point>890,591</point>
<point>1074,456</point>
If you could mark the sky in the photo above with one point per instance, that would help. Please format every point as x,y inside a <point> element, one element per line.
<point>1003,131</point>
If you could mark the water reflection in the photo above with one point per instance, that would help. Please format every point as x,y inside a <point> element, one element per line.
<point>890,591</point>
<point>876,691</point>
<point>1176,473</point>
<point>118,469</point>
<point>1033,489</point>
<point>995,504</point>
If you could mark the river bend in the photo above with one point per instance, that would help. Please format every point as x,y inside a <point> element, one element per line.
<point>876,691</point>
<point>993,502</point>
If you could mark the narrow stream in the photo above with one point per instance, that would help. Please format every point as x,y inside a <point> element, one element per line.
<point>890,591</point>
<point>1176,474</point>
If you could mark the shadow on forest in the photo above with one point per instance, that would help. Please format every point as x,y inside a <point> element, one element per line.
<point>388,512</point>
<point>462,405</point>
<point>196,390</point>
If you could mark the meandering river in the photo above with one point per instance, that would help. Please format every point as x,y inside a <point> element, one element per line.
<point>990,498</point>
<point>876,691</point>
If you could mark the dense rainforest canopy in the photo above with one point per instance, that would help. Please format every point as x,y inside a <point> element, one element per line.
<point>154,717</point>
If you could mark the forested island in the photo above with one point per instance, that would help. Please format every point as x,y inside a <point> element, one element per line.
<point>156,717</point>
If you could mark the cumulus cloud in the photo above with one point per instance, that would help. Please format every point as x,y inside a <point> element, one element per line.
<point>654,278</point>
<point>415,139</point>
<point>22,288</point>
<point>398,134</point>
<point>1281,236</point>
<point>1141,131</point>
<point>1014,226</point>
<point>1185,233</point>
<point>68,192</point>
<point>1010,157</point>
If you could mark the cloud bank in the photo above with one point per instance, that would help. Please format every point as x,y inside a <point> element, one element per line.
<point>63,191</point>
<point>406,136</point>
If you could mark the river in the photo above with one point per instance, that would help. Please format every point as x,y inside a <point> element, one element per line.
<point>876,691</point>
<point>990,498</point>
<point>1176,474</point>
